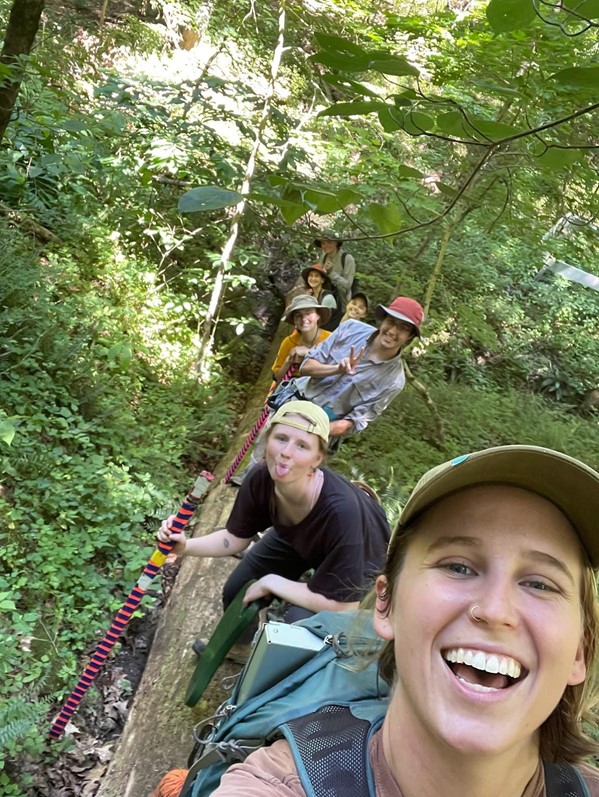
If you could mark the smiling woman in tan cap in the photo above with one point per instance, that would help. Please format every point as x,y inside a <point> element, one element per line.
<point>488,608</point>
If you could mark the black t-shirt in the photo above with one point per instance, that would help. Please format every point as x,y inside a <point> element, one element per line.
<point>344,538</point>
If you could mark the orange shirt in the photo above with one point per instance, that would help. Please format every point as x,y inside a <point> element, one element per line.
<point>290,342</point>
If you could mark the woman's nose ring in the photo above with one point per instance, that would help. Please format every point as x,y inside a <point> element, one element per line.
<point>473,614</point>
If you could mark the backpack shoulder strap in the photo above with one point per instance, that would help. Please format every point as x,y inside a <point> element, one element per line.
<point>564,780</point>
<point>343,258</point>
<point>330,749</point>
<point>340,768</point>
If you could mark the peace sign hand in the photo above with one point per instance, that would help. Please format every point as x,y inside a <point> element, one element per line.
<point>348,364</point>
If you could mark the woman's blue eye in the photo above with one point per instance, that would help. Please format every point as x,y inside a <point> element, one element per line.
<point>541,586</point>
<point>460,568</point>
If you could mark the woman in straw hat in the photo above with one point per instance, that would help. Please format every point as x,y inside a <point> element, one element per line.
<point>307,315</point>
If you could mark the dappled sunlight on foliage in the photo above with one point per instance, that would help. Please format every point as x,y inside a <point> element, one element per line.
<point>411,128</point>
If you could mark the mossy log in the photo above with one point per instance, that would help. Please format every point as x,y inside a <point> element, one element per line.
<point>157,735</point>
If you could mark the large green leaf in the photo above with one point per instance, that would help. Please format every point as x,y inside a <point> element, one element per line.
<point>344,62</point>
<point>7,431</point>
<point>409,172</point>
<point>291,212</point>
<point>346,196</point>
<point>582,77</point>
<point>208,197</point>
<point>416,123</point>
<point>277,201</point>
<point>304,197</point>
<point>293,206</point>
<point>339,45</point>
<point>506,15</point>
<point>492,130</point>
<point>556,158</point>
<point>386,217</point>
<point>451,123</point>
<point>321,202</point>
<point>346,84</point>
<point>358,108</point>
<point>394,65</point>
<point>401,100</point>
<point>589,9</point>
<point>391,119</point>
<point>276,179</point>
<point>448,190</point>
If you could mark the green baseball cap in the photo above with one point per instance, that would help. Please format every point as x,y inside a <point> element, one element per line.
<point>305,416</point>
<point>306,302</point>
<point>569,484</point>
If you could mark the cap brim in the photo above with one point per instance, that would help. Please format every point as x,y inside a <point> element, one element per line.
<point>318,241</point>
<point>382,311</point>
<point>359,294</point>
<point>310,418</point>
<point>569,484</point>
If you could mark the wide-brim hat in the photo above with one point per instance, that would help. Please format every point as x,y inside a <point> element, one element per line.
<point>306,416</point>
<point>328,235</point>
<point>403,308</point>
<point>306,302</point>
<point>320,268</point>
<point>569,484</point>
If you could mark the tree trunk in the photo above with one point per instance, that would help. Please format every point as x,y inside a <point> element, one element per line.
<point>423,392</point>
<point>23,24</point>
<point>158,732</point>
<point>437,269</point>
<point>219,281</point>
<point>103,11</point>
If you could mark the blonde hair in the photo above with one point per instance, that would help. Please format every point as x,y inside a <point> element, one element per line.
<point>563,735</point>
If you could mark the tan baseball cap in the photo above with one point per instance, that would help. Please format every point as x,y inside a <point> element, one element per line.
<point>568,483</point>
<point>305,416</point>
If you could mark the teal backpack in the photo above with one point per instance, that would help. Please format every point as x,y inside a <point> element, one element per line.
<point>337,681</point>
<point>336,695</point>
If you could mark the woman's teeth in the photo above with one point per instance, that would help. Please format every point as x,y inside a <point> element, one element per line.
<point>488,662</point>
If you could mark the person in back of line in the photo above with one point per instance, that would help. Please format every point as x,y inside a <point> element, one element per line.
<point>357,308</point>
<point>307,315</point>
<point>316,520</point>
<point>357,371</point>
<point>341,267</point>
<point>318,284</point>
<point>487,605</point>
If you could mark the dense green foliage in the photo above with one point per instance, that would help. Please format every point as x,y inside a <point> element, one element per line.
<point>105,277</point>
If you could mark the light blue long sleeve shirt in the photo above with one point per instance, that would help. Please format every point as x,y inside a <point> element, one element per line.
<point>359,398</point>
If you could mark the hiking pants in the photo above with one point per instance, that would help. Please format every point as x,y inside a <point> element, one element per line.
<point>271,554</point>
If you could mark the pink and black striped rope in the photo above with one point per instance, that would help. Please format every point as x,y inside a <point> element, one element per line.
<point>255,429</point>
<point>179,522</point>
